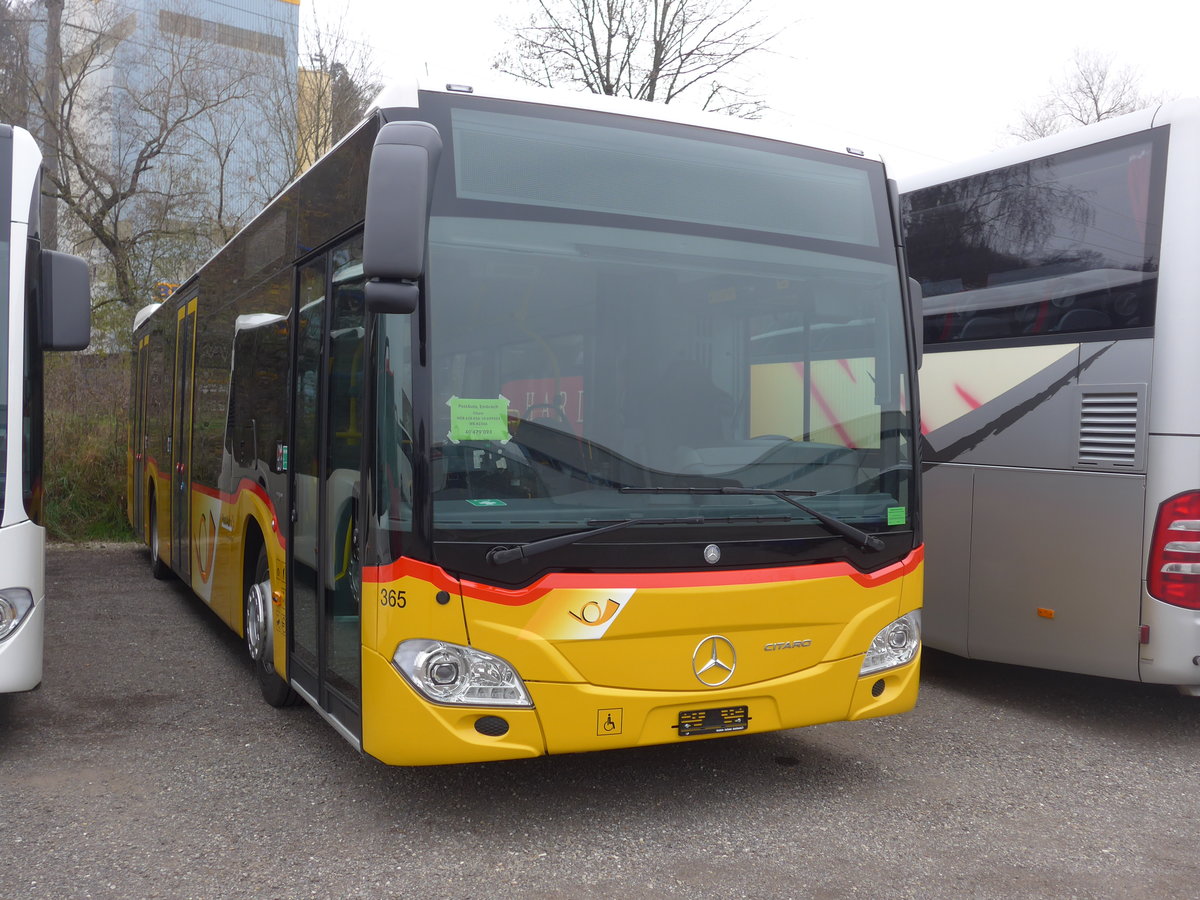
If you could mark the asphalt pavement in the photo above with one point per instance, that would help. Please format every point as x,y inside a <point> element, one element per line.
<point>146,766</point>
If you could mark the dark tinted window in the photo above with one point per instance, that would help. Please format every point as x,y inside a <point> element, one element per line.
<point>257,393</point>
<point>1060,245</point>
<point>599,167</point>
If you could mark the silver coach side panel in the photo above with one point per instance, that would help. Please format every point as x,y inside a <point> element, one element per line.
<point>1031,559</point>
<point>1034,549</point>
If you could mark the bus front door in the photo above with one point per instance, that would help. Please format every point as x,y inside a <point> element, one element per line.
<point>325,577</point>
<point>181,439</point>
<point>137,514</point>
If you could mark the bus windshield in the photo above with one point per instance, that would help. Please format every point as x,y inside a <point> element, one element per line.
<point>632,320</point>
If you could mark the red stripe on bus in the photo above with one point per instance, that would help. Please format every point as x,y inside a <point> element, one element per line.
<point>252,487</point>
<point>410,568</point>
<point>638,581</point>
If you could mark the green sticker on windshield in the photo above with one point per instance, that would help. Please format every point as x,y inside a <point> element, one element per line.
<point>487,503</point>
<point>478,419</point>
<point>897,515</point>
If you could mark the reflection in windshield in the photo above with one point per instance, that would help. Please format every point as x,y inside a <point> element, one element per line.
<point>573,362</point>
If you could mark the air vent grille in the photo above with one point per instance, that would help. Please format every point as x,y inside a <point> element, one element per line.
<point>1108,429</point>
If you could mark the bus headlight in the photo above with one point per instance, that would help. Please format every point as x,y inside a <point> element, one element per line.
<point>453,674</point>
<point>14,604</point>
<point>895,645</point>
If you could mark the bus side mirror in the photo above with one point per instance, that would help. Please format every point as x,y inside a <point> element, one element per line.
<point>66,302</point>
<point>916,304</point>
<point>404,161</point>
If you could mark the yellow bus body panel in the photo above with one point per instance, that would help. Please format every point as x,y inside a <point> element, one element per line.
<point>609,661</point>
<point>219,530</point>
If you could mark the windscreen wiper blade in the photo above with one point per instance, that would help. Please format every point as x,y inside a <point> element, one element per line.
<point>837,526</point>
<point>498,556</point>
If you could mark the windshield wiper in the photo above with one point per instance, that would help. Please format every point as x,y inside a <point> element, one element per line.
<point>837,526</point>
<point>498,556</point>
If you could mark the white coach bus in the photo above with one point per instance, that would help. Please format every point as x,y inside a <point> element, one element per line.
<point>1061,427</point>
<point>44,305</point>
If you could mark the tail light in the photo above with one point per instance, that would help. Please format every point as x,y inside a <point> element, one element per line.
<point>1174,570</point>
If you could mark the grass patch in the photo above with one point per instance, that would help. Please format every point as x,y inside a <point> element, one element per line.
<point>86,398</point>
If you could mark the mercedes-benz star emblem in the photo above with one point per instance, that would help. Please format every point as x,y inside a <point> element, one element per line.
<point>714,660</point>
<point>712,554</point>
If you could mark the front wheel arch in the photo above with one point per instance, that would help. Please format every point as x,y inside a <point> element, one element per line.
<point>258,620</point>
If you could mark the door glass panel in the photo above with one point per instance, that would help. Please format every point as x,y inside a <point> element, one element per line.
<point>305,465</point>
<point>139,439</point>
<point>182,462</point>
<point>343,446</point>
<point>394,433</point>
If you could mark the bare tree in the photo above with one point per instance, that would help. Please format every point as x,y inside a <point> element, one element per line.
<point>310,111</point>
<point>120,127</point>
<point>1092,91</point>
<point>15,19</point>
<point>655,50</point>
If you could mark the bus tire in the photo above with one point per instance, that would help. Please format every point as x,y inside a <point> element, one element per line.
<point>158,568</point>
<point>257,624</point>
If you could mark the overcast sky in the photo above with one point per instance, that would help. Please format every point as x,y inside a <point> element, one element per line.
<point>919,83</point>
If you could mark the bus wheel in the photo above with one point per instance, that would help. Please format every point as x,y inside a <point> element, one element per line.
<point>258,623</point>
<point>158,568</point>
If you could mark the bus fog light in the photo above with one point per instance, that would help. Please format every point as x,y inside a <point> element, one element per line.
<point>453,674</point>
<point>15,603</point>
<point>895,645</point>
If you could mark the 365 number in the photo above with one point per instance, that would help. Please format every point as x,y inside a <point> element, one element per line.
<point>392,598</point>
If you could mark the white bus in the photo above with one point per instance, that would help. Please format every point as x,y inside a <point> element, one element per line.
<point>44,305</point>
<point>1060,420</point>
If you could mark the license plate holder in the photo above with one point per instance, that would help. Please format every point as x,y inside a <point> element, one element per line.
<point>718,720</point>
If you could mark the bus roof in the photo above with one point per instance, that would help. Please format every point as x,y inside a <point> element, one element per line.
<point>143,314</point>
<point>403,93</point>
<point>1161,114</point>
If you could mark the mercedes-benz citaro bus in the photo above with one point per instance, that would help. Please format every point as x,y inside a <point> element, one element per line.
<point>45,304</point>
<point>1063,441</point>
<point>537,422</point>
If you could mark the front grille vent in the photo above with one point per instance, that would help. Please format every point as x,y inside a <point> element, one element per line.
<point>1110,432</point>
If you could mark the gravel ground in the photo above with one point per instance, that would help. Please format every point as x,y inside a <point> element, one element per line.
<point>146,766</point>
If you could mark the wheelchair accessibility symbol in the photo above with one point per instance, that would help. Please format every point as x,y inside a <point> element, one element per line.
<point>608,721</point>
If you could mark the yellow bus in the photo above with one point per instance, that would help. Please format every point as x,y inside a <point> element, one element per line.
<point>539,423</point>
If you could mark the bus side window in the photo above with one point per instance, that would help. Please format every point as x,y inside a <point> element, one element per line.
<point>393,397</point>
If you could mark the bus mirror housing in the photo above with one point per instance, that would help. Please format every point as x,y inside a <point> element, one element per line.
<point>66,302</point>
<point>916,304</point>
<point>404,161</point>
